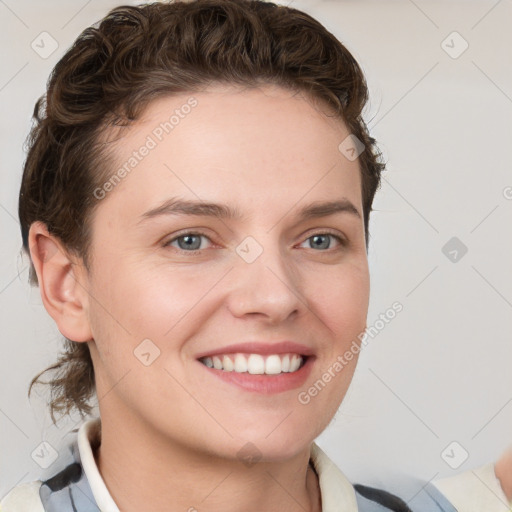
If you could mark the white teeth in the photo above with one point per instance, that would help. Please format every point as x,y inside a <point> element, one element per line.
<point>255,364</point>
<point>240,363</point>
<point>295,363</point>
<point>227,364</point>
<point>273,365</point>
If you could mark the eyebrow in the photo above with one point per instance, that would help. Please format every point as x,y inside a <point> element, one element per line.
<point>175,206</point>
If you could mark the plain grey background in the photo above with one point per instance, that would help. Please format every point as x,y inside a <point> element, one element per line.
<point>441,371</point>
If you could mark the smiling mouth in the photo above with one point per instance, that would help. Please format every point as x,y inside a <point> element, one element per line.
<point>256,364</point>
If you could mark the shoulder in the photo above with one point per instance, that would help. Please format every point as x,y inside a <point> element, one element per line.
<point>23,498</point>
<point>475,490</point>
<point>408,495</point>
<point>399,493</point>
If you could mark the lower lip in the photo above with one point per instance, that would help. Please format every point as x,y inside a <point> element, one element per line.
<point>266,384</point>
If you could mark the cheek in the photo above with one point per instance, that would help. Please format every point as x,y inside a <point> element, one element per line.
<point>167,300</point>
<point>155,302</point>
<point>341,298</point>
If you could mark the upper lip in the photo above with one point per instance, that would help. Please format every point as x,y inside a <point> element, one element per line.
<point>259,347</point>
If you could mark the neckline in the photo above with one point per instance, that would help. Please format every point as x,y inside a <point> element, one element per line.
<point>336,492</point>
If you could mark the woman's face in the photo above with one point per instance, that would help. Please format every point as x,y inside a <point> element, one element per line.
<point>175,287</point>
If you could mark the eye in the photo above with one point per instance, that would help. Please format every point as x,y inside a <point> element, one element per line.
<point>192,241</point>
<point>188,242</point>
<point>323,240</point>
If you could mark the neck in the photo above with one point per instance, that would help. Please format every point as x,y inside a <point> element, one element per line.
<point>157,474</point>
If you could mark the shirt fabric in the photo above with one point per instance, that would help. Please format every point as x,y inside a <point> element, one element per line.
<point>76,485</point>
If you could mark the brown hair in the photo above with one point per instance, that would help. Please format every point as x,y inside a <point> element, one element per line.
<point>135,55</point>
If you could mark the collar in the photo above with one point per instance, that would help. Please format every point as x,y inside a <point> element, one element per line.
<point>336,491</point>
<point>89,435</point>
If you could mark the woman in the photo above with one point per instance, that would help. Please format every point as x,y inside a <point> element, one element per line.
<point>196,202</point>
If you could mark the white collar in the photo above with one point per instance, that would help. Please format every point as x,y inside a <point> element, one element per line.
<point>336,491</point>
<point>89,432</point>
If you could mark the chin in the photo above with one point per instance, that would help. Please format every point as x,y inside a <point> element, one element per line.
<point>277,446</point>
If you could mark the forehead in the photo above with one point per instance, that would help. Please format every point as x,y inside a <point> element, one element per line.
<point>252,148</point>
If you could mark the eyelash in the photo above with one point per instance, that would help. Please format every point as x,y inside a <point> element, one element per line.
<point>343,242</point>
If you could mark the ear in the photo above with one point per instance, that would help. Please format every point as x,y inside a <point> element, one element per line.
<point>62,283</point>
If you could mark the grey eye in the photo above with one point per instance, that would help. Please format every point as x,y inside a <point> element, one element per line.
<point>189,242</point>
<point>321,241</point>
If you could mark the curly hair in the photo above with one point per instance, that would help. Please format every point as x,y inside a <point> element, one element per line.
<point>135,55</point>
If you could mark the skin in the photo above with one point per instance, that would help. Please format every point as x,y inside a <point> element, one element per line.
<point>503,470</point>
<point>171,431</point>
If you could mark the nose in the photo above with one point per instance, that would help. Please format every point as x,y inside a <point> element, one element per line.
<point>268,287</point>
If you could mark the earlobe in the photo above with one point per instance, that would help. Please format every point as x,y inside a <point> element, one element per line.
<point>63,294</point>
